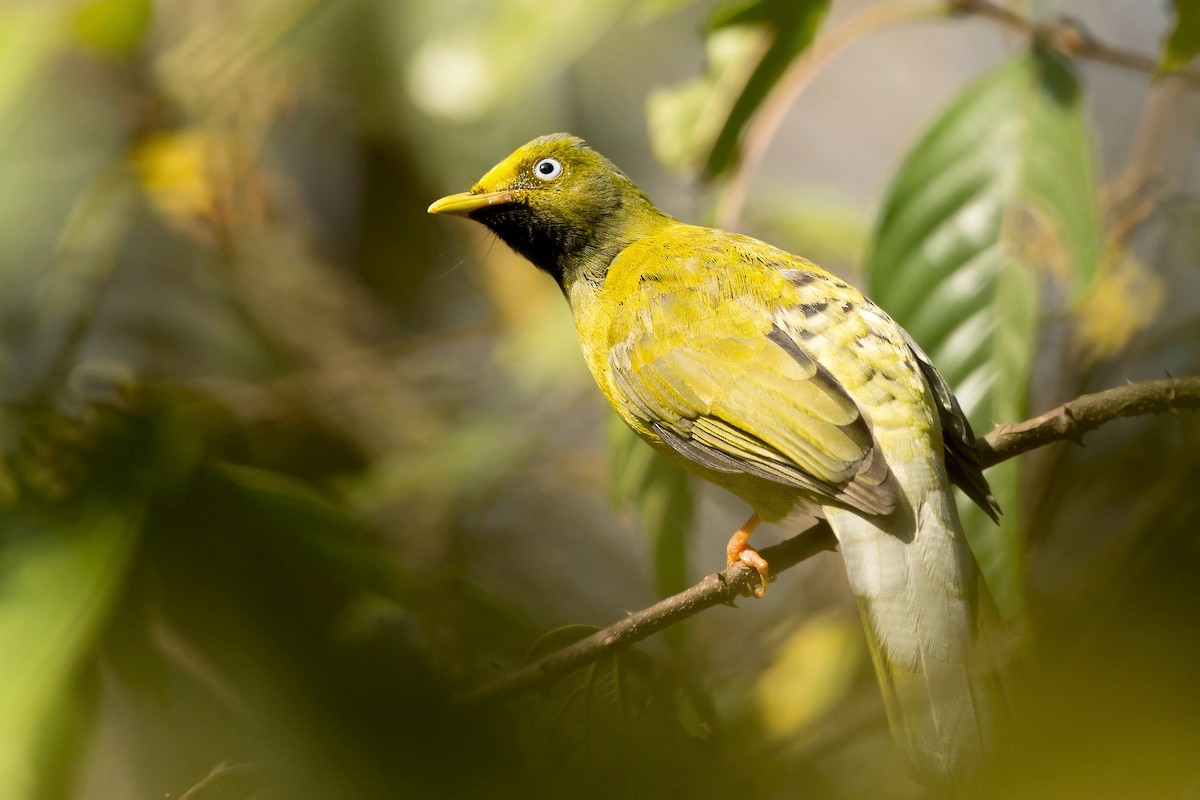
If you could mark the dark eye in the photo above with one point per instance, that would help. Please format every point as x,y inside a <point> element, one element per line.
<point>548,169</point>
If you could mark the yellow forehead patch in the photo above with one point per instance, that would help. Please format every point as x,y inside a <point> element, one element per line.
<point>503,174</point>
<point>508,173</point>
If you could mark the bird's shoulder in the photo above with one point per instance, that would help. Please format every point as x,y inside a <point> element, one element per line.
<point>682,275</point>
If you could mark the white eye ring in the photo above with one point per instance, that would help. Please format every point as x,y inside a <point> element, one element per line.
<point>548,169</point>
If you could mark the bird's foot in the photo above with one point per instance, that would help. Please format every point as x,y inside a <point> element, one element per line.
<point>739,550</point>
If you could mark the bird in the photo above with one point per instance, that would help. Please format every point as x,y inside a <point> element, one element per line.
<point>777,380</point>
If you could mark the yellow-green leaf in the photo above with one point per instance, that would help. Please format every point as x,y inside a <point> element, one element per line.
<point>1183,43</point>
<point>750,45</point>
<point>62,570</point>
<point>113,25</point>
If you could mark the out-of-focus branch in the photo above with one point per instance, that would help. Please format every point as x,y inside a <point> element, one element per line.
<point>765,124</point>
<point>1068,36</point>
<point>1069,421</point>
<point>225,769</point>
<point>1064,34</point>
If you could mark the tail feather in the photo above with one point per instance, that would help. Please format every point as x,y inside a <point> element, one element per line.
<point>916,584</point>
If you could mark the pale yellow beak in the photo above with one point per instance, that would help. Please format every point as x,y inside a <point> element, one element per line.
<point>463,203</point>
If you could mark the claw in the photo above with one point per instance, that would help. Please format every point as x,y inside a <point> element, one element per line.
<point>739,550</point>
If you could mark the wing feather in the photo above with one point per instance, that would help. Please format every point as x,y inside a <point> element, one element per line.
<point>753,402</point>
<point>962,456</point>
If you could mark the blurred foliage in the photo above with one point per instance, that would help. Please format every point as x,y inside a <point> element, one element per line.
<point>286,465</point>
<point>1184,42</point>
<point>611,729</point>
<point>750,44</point>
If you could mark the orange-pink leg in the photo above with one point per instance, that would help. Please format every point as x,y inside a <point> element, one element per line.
<point>739,549</point>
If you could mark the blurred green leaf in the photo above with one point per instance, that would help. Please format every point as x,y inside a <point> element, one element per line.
<point>1183,43</point>
<point>660,492</point>
<point>295,525</point>
<point>313,530</point>
<point>1000,185</point>
<point>609,729</point>
<point>113,25</point>
<point>61,570</point>
<point>814,670</point>
<point>483,60</point>
<point>28,36</point>
<point>750,45</point>
<point>685,121</point>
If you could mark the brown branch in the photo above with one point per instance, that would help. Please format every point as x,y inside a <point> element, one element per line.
<point>763,126</point>
<point>1069,421</point>
<point>1068,36</point>
<point>1072,420</point>
<point>1064,34</point>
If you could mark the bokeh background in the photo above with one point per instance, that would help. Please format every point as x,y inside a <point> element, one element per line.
<point>288,464</point>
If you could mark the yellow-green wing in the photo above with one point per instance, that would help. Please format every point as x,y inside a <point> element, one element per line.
<point>727,384</point>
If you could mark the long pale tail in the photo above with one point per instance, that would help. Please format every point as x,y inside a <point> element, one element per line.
<point>917,586</point>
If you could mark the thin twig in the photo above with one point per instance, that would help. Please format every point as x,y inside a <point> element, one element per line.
<point>1074,419</point>
<point>765,123</point>
<point>1064,34</point>
<point>1068,36</point>
<point>225,769</point>
<point>1069,421</point>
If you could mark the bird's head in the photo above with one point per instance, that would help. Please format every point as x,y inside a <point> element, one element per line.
<point>560,204</point>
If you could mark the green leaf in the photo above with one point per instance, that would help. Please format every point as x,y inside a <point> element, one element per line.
<point>1000,187</point>
<point>1184,42</point>
<point>63,568</point>
<point>290,523</point>
<point>28,38</point>
<point>749,46</point>
<point>113,25</point>
<point>661,494</point>
<point>297,523</point>
<point>609,729</point>
<point>467,66</point>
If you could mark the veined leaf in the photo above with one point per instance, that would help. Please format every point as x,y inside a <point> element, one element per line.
<point>611,726</point>
<point>1000,187</point>
<point>749,46</point>
<point>1184,42</point>
<point>62,570</point>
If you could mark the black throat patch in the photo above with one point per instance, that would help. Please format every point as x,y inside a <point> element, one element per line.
<point>547,243</point>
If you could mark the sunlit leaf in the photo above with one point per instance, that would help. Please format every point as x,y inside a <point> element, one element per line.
<point>813,671</point>
<point>174,169</point>
<point>113,25</point>
<point>685,121</point>
<point>749,46</point>
<point>486,59</point>
<point>28,37</point>
<point>1184,41</point>
<point>1125,301</point>
<point>1000,187</point>
<point>63,568</point>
